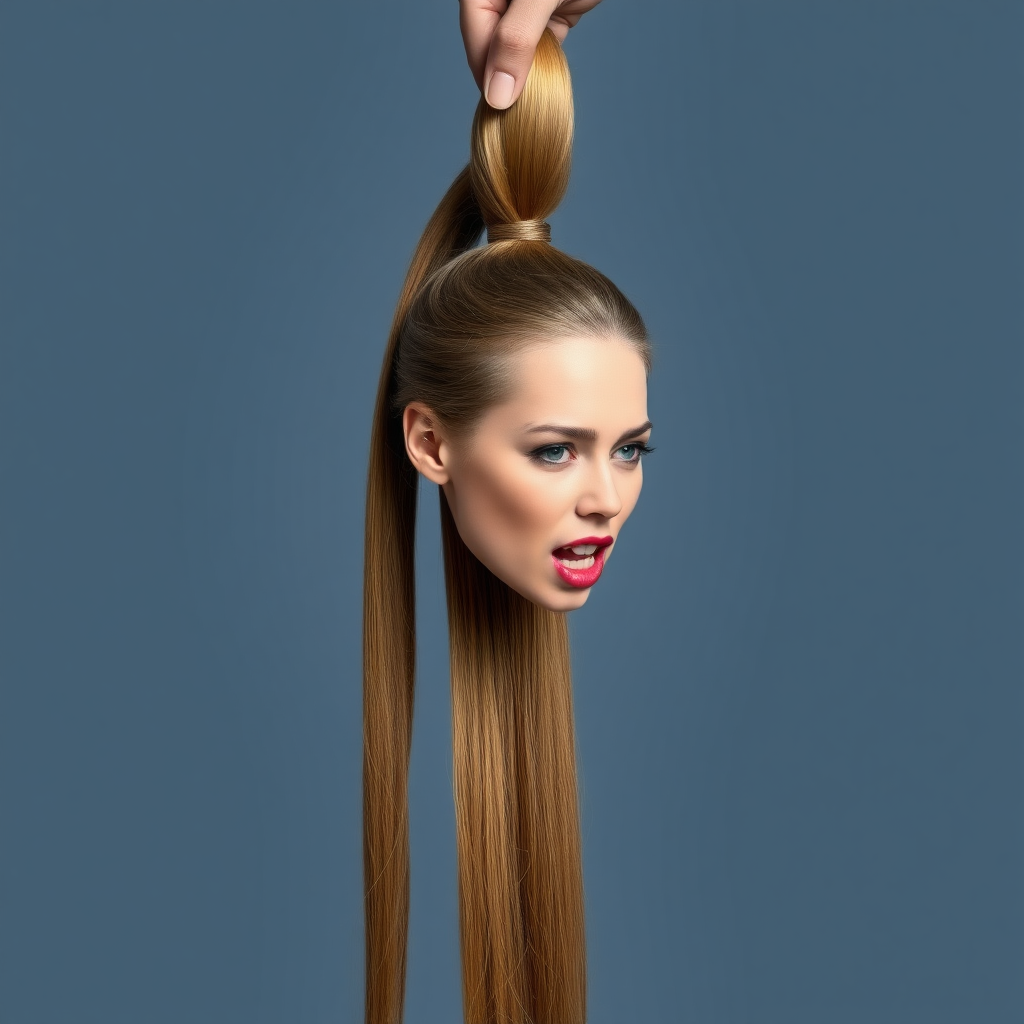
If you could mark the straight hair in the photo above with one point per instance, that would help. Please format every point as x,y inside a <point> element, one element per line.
<point>463,313</point>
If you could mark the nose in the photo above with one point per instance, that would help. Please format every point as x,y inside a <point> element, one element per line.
<point>599,495</point>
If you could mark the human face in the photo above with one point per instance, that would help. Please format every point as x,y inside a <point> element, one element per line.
<point>556,465</point>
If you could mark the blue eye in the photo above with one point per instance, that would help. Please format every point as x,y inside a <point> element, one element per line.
<point>553,454</point>
<point>633,452</point>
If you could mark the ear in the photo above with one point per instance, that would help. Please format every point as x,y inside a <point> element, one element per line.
<point>424,442</point>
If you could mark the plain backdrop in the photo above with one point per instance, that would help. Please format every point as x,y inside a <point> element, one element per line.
<point>800,683</point>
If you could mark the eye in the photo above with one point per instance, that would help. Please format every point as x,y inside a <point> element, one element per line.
<point>552,454</point>
<point>632,453</point>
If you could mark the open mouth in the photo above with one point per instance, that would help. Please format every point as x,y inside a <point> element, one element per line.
<point>581,563</point>
<point>576,556</point>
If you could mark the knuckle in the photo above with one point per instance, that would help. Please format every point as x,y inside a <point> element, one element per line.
<point>513,41</point>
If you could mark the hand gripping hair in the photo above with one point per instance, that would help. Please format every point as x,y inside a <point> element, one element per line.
<point>464,312</point>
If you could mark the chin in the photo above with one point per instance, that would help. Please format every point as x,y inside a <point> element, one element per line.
<point>551,594</point>
<point>544,593</point>
<point>561,601</point>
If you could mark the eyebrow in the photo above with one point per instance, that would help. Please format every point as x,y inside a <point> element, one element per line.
<point>584,433</point>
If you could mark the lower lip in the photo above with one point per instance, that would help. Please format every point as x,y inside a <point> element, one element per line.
<point>581,578</point>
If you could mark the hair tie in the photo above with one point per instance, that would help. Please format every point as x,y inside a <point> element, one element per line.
<point>520,231</point>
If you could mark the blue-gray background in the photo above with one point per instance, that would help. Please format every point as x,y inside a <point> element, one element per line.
<point>800,683</point>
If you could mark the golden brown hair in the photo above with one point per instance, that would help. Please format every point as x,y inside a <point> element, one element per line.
<point>462,314</point>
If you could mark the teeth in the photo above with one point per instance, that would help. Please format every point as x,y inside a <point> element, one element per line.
<point>578,563</point>
<point>584,549</point>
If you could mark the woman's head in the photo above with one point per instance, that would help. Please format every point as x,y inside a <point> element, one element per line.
<point>484,342</point>
<point>541,484</point>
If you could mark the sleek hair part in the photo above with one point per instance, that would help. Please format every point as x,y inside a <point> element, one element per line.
<point>463,313</point>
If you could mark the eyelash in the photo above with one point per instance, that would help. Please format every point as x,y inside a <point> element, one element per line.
<point>537,455</point>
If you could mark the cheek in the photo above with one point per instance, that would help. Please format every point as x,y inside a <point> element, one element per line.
<point>506,505</point>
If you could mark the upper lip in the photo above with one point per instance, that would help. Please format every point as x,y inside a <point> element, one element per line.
<point>601,542</point>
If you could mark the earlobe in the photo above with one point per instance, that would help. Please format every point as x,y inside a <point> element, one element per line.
<point>423,442</point>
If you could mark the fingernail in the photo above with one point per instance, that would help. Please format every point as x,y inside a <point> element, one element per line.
<point>499,90</point>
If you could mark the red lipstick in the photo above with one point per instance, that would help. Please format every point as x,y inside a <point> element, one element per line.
<point>601,542</point>
<point>582,577</point>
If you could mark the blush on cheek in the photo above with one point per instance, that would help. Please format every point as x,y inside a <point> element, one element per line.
<point>505,502</point>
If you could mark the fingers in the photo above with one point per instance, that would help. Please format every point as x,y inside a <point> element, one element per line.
<point>511,50</point>
<point>502,35</point>
<point>478,19</point>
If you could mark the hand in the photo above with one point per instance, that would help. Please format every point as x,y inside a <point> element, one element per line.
<point>501,36</point>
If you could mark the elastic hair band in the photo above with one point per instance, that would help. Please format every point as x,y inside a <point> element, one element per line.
<point>520,231</point>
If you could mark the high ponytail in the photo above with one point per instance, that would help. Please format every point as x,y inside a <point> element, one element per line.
<point>462,314</point>
<point>521,156</point>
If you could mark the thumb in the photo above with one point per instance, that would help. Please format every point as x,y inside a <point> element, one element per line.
<point>512,48</point>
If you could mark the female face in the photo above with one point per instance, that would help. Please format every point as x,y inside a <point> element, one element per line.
<point>542,486</point>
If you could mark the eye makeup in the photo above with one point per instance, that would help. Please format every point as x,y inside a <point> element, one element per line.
<point>562,454</point>
<point>553,454</point>
<point>639,449</point>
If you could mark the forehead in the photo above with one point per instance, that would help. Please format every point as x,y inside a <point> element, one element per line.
<point>599,383</point>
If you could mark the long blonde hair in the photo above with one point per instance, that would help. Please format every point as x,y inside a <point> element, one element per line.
<point>462,313</point>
